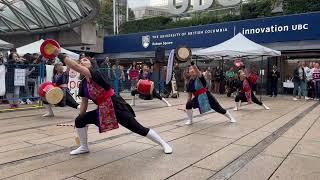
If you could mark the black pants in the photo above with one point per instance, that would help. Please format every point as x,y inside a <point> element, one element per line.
<point>124,118</point>
<point>214,104</point>
<point>242,97</point>
<point>146,97</point>
<point>66,100</point>
<point>274,88</point>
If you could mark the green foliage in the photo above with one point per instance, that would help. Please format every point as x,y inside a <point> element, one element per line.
<point>301,6</point>
<point>255,9</point>
<point>105,17</point>
<point>150,24</point>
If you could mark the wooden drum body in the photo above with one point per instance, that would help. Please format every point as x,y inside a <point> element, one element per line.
<point>145,87</point>
<point>51,93</point>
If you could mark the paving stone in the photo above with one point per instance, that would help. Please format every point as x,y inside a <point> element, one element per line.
<point>15,169</point>
<point>227,130</point>
<point>222,158</point>
<point>83,163</point>
<point>261,167</point>
<point>253,138</point>
<point>27,152</point>
<point>313,134</point>
<point>281,147</point>
<point>52,138</point>
<point>193,173</point>
<point>153,164</point>
<point>298,167</point>
<point>17,139</point>
<point>310,148</point>
<point>74,178</point>
<point>11,147</point>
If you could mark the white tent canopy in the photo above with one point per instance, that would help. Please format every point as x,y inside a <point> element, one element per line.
<point>35,48</point>
<point>237,46</point>
<point>5,45</point>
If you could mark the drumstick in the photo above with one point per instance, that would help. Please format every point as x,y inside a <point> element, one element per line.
<point>61,124</point>
<point>180,109</point>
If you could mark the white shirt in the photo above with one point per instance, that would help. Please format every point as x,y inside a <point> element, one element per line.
<point>308,73</point>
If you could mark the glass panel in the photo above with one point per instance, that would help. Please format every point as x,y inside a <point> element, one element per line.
<point>3,26</point>
<point>9,14</point>
<point>74,6</point>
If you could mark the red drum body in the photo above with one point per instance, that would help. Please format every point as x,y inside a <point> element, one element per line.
<point>51,93</point>
<point>145,87</point>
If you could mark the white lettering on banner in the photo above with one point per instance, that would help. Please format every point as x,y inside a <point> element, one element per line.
<point>275,28</point>
<point>183,34</point>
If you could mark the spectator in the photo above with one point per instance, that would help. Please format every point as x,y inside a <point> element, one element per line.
<point>208,77</point>
<point>107,68</point>
<point>218,77</point>
<point>134,75</point>
<point>274,76</point>
<point>316,80</point>
<point>186,78</point>
<point>299,80</point>
<point>117,74</point>
<point>253,78</point>
<point>12,92</point>
<point>310,84</point>
<point>230,80</point>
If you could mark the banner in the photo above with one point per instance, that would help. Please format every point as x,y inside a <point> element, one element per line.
<point>298,27</point>
<point>170,66</point>
<point>2,80</point>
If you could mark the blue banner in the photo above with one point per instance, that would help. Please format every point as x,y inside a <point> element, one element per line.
<point>264,30</point>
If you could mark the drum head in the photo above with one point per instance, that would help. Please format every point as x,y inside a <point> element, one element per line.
<point>54,95</point>
<point>183,53</point>
<point>48,47</point>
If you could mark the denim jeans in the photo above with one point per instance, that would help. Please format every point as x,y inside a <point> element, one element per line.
<point>300,88</point>
<point>317,89</point>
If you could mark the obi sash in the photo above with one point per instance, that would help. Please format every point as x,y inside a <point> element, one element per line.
<point>200,91</point>
<point>247,90</point>
<point>106,113</point>
<point>201,95</point>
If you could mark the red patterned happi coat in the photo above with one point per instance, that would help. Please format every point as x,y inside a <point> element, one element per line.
<point>107,117</point>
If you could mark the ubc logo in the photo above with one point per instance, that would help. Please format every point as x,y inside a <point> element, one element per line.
<point>146,41</point>
<point>186,4</point>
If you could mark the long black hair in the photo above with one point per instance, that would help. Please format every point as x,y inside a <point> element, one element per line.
<point>94,65</point>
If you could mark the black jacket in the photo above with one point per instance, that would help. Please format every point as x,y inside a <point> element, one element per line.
<point>296,75</point>
<point>274,76</point>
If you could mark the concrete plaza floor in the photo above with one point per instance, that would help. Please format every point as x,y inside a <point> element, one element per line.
<point>282,143</point>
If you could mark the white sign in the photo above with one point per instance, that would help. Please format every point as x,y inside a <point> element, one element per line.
<point>74,81</point>
<point>19,77</point>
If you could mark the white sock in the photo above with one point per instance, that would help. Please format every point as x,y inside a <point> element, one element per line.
<point>153,136</point>
<point>164,100</point>
<point>190,116</point>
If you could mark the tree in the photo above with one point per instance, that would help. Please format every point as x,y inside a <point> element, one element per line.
<point>301,6</point>
<point>105,17</point>
<point>256,8</point>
